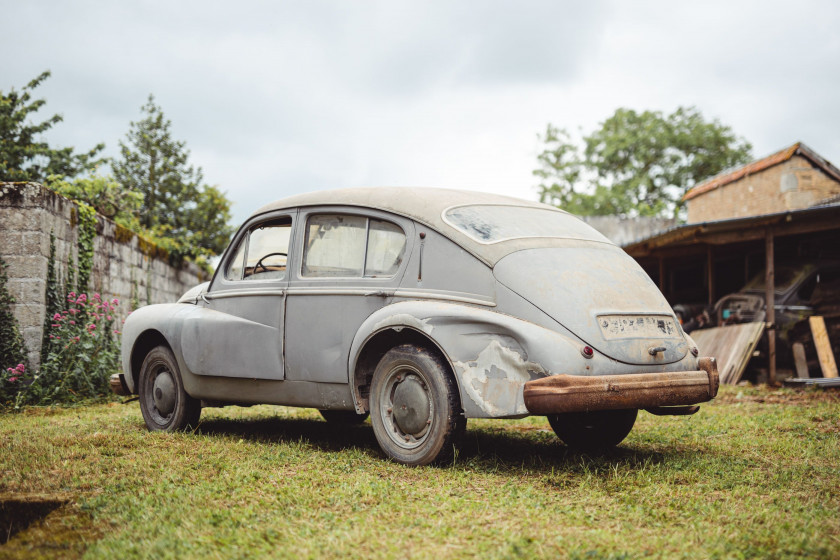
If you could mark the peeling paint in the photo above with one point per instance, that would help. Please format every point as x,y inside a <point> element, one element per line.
<point>494,380</point>
<point>404,320</point>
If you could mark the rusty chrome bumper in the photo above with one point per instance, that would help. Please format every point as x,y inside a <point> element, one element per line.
<point>118,386</point>
<point>576,393</point>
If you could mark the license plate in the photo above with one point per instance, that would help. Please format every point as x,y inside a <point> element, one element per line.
<point>638,326</point>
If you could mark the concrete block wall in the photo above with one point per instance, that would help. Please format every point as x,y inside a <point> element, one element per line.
<point>125,266</point>
<point>623,231</point>
<point>791,185</point>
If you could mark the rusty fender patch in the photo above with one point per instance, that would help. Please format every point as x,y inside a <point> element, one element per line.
<point>404,320</point>
<point>495,379</point>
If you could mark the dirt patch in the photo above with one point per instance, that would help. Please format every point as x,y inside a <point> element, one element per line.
<point>18,513</point>
<point>44,526</point>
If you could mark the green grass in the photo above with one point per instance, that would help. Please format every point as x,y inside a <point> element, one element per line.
<point>754,475</point>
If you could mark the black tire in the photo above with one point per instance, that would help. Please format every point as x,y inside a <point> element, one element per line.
<point>166,407</point>
<point>593,431</point>
<point>343,417</point>
<point>415,407</point>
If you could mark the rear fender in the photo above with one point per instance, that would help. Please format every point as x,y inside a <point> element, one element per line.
<point>491,355</point>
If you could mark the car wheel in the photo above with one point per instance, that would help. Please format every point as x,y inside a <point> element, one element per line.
<point>343,417</point>
<point>164,403</point>
<point>415,407</point>
<point>593,431</point>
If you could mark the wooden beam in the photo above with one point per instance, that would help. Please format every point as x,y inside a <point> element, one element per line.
<point>770,304</point>
<point>715,234</point>
<point>818,331</point>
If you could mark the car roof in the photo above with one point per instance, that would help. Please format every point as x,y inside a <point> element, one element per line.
<point>425,205</point>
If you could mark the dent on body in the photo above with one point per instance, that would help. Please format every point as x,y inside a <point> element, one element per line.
<point>494,380</point>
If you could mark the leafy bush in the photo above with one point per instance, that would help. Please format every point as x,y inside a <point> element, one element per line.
<point>12,349</point>
<point>83,352</point>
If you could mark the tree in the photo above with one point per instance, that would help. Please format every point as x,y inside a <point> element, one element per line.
<point>636,163</point>
<point>23,156</point>
<point>176,204</point>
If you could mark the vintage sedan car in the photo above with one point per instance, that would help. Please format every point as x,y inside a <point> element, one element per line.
<point>420,308</point>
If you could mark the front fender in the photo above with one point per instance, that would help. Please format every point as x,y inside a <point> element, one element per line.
<point>492,355</point>
<point>164,318</point>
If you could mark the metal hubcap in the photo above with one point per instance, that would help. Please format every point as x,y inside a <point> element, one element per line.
<point>411,406</point>
<point>406,407</point>
<point>163,393</point>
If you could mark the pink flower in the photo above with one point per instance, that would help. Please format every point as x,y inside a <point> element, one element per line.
<point>91,327</point>
<point>115,301</point>
<point>96,295</point>
<point>71,294</point>
<point>21,368</point>
<point>12,379</point>
<point>72,322</point>
<point>117,332</point>
<point>73,310</point>
<point>55,325</point>
<point>57,317</point>
<point>109,317</point>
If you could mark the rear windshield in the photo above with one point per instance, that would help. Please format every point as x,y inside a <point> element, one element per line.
<point>488,223</point>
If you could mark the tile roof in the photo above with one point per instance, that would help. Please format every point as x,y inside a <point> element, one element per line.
<point>760,165</point>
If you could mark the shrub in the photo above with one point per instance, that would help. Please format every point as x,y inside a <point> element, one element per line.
<point>83,352</point>
<point>12,348</point>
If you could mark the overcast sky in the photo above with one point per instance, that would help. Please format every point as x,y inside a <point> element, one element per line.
<point>276,98</point>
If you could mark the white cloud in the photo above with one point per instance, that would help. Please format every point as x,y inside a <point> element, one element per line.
<point>278,98</point>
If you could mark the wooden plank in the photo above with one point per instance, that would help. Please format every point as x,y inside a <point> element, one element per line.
<point>826,356</point>
<point>800,361</point>
<point>732,345</point>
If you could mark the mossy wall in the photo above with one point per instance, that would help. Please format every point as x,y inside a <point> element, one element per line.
<point>125,266</point>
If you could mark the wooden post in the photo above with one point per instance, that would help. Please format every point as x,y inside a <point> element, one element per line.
<point>710,271</point>
<point>770,304</point>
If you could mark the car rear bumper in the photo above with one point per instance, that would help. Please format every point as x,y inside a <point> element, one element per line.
<point>576,393</point>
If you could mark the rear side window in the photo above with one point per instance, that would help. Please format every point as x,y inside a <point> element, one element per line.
<point>348,246</point>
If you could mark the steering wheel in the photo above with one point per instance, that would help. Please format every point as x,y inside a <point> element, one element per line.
<point>260,262</point>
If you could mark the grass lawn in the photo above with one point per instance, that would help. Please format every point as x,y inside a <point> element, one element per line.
<point>754,475</point>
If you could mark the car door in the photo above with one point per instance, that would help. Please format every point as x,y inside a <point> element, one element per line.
<point>350,263</point>
<point>238,330</point>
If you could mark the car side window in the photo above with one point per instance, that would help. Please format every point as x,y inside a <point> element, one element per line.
<point>263,253</point>
<point>346,246</point>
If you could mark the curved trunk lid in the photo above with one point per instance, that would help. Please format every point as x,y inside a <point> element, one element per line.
<point>602,295</point>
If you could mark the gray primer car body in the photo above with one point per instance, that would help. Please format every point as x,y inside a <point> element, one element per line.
<point>501,312</point>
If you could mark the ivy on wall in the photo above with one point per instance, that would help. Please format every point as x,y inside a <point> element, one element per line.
<point>12,348</point>
<point>54,297</point>
<point>87,233</point>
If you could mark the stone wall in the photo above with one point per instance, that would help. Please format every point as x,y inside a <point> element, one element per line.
<point>791,185</point>
<point>623,231</point>
<point>125,266</point>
